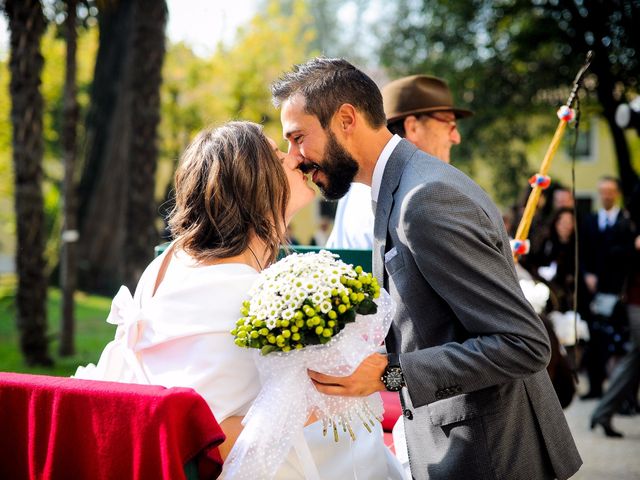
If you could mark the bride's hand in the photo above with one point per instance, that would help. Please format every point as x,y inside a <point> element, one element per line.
<point>232,428</point>
<point>312,418</point>
<point>365,380</point>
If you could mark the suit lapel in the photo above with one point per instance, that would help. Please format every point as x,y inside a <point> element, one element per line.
<point>390,180</point>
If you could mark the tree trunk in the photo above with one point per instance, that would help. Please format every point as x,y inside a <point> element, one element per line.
<point>148,49</point>
<point>102,191</point>
<point>626,173</point>
<point>594,24</point>
<point>68,261</point>
<point>117,209</point>
<point>27,24</point>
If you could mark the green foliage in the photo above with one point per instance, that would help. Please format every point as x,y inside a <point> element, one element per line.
<point>92,333</point>
<point>8,293</point>
<point>53,222</point>
<point>233,83</point>
<point>342,28</point>
<point>53,73</point>
<point>367,307</point>
<point>509,61</point>
<point>186,99</point>
<point>7,224</point>
<point>5,112</point>
<point>53,51</point>
<point>265,48</point>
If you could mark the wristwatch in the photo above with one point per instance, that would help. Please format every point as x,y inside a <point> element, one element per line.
<point>392,377</point>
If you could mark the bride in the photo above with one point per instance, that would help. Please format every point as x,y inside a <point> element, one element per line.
<point>235,195</point>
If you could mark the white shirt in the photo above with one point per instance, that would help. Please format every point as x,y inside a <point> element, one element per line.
<point>378,171</point>
<point>607,217</point>
<point>353,225</point>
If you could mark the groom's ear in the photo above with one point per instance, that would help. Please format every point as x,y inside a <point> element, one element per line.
<point>345,118</point>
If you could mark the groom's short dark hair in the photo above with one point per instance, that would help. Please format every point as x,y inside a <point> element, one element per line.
<point>326,84</point>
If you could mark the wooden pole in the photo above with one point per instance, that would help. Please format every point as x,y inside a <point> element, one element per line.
<point>566,115</point>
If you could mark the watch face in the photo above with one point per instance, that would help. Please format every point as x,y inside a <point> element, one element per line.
<point>393,379</point>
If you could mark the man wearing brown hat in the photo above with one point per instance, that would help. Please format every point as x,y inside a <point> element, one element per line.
<point>419,108</point>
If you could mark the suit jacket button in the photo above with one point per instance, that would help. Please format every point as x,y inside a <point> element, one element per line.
<point>408,414</point>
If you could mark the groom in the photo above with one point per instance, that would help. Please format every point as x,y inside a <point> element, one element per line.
<point>466,350</point>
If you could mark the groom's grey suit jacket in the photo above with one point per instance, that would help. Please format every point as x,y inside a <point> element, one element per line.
<point>479,402</point>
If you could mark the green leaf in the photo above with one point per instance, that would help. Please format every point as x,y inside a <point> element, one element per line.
<point>267,349</point>
<point>312,340</point>
<point>348,316</point>
<point>367,307</point>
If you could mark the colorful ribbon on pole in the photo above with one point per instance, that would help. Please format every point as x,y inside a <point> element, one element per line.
<point>540,181</point>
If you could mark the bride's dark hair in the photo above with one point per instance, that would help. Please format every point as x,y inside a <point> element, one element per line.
<point>229,184</point>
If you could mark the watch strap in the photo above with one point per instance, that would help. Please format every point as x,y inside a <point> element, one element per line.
<point>393,359</point>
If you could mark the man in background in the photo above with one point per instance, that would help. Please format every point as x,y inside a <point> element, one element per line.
<point>622,390</point>
<point>420,109</point>
<point>608,240</point>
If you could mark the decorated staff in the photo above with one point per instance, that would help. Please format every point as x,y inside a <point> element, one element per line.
<point>540,181</point>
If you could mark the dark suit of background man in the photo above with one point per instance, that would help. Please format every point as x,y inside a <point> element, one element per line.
<point>466,347</point>
<point>622,391</point>
<point>607,252</point>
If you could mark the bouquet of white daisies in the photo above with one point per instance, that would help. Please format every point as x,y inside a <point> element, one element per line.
<point>307,311</point>
<point>304,299</point>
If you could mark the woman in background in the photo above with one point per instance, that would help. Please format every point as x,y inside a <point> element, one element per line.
<point>555,262</point>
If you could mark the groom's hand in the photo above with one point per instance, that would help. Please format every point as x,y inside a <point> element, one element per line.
<point>364,381</point>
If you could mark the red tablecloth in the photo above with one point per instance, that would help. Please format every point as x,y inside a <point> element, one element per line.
<point>64,428</point>
<point>392,411</point>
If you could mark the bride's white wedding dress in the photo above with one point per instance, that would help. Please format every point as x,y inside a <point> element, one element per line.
<point>180,337</point>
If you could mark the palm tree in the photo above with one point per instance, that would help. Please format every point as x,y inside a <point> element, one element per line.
<point>27,25</point>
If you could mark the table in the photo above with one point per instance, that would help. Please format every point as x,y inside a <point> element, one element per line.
<point>61,428</point>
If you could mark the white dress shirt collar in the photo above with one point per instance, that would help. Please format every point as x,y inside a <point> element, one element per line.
<point>378,171</point>
<point>607,217</point>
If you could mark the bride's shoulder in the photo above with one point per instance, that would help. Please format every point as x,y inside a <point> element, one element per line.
<point>187,272</point>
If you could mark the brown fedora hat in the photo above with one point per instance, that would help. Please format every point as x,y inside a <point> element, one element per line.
<point>418,94</point>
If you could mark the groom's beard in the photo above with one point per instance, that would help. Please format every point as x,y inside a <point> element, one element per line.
<point>339,167</point>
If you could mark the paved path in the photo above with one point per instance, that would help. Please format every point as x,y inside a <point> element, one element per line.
<point>604,458</point>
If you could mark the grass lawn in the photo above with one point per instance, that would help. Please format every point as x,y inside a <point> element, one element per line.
<point>92,334</point>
